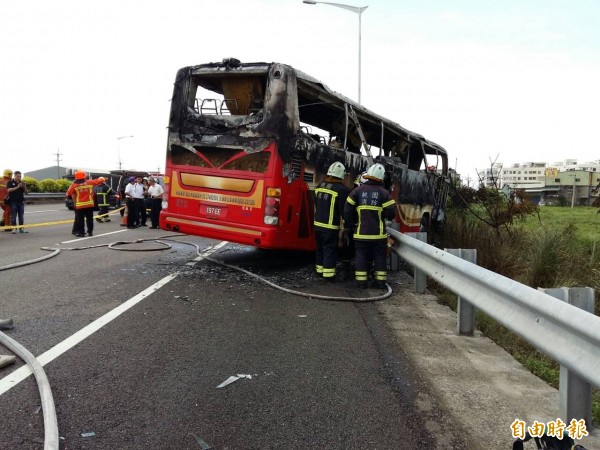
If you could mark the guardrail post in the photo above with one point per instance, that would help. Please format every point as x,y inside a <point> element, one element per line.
<point>465,311</point>
<point>574,393</point>
<point>419,276</point>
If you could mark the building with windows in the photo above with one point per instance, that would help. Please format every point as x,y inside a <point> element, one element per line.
<point>563,182</point>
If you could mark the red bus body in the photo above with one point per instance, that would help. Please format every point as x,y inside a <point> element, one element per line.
<point>231,205</point>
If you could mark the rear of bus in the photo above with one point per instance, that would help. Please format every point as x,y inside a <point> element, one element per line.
<point>225,178</point>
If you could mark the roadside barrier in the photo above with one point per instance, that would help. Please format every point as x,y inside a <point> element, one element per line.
<point>562,331</point>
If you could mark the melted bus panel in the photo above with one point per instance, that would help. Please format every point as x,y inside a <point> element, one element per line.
<point>248,143</point>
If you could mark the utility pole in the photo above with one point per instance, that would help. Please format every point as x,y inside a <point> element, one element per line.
<point>58,154</point>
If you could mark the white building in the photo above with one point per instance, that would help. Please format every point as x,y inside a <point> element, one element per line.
<point>529,175</point>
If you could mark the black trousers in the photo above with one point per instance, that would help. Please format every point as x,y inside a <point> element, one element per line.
<point>143,212</point>
<point>327,251</point>
<point>368,251</point>
<point>132,213</point>
<point>155,209</point>
<point>84,215</point>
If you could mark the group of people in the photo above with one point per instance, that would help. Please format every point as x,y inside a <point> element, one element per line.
<point>356,217</point>
<point>138,191</point>
<point>12,192</point>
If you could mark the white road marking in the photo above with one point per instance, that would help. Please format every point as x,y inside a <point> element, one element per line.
<point>10,381</point>
<point>90,237</point>
<point>207,252</point>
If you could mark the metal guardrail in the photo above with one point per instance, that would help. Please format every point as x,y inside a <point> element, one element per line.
<point>564,332</point>
<point>46,195</point>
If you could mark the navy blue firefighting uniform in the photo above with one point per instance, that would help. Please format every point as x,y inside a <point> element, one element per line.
<point>330,198</point>
<point>366,209</point>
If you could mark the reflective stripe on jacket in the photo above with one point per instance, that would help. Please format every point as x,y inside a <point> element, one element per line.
<point>102,194</point>
<point>370,204</point>
<point>83,193</point>
<point>330,197</point>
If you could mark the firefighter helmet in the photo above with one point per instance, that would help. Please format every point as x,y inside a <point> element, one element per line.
<point>337,170</point>
<point>8,173</point>
<point>376,171</point>
<point>80,175</point>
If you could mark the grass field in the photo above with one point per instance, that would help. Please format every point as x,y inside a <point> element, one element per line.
<point>584,218</point>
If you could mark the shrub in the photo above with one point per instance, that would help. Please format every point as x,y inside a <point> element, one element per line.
<point>47,185</point>
<point>62,185</point>
<point>32,184</point>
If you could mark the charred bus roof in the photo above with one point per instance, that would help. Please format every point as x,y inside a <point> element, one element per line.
<point>317,102</point>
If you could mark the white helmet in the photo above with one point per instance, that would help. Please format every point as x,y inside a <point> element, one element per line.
<point>376,171</point>
<point>337,170</point>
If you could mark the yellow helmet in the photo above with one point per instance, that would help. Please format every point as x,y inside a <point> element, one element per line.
<point>8,173</point>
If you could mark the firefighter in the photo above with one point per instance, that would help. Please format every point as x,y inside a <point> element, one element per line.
<point>102,192</point>
<point>82,193</point>
<point>7,176</point>
<point>346,236</point>
<point>330,197</point>
<point>366,209</point>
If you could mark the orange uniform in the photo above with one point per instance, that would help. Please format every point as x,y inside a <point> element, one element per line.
<point>83,193</point>
<point>3,193</point>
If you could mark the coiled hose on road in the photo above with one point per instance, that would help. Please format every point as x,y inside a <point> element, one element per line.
<point>51,437</point>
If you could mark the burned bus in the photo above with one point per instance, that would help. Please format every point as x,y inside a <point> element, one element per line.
<point>248,143</point>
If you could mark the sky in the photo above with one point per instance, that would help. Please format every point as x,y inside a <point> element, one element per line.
<point>512,81</point>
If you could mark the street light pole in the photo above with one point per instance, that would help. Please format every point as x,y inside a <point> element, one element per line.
<point>358,10</point>
<point>119,149</point>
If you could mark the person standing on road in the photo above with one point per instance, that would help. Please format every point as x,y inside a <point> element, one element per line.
<point>155,192</point>
<point>16,191</point>
<point>7,176</point>
<point>82,193</point>
<point>134,193</point>
<point>330,197</point>
<point>102,192</point>
<point>367,208</point>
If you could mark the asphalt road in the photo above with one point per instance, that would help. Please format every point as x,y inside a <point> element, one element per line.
<point>321,374</point>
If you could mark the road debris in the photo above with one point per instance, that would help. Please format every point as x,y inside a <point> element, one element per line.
<point>6,360</point>
<point>6,324</point>
<point>88,434</point>
<point>233,378</point>
<point>200,441</point>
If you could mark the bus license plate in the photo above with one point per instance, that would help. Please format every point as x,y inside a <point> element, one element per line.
<point>213,211</point>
